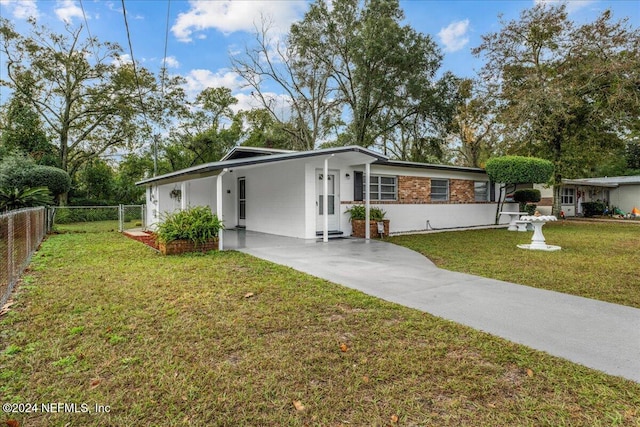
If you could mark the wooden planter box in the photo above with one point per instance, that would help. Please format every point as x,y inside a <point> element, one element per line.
<point>184,246</point>
<point>358,228</point>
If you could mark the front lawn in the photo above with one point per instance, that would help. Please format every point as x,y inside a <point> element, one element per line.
<point>225,339</point>
<point>597,260</point>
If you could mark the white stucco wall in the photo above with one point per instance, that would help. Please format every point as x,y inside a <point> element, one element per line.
<point>201,192</point>
<point>625,197</point>
<point>275,198</point>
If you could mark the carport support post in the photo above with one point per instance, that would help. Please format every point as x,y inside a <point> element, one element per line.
<point>219,206</point>
<point>367,201</point>
<point>325,202</point>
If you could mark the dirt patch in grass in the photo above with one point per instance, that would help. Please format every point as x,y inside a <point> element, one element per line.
<point>177,341</point>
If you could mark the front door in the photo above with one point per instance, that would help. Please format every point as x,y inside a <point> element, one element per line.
<point>333,194</point>
<point>242,202</point>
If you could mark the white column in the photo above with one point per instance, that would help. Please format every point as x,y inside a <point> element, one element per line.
<point>219,206</point>
<point>184,190</point>
<point>367,201</point>
<point>325,202</point>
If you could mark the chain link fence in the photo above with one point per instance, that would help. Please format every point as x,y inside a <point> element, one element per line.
<point>21,232</point>
<point>86,219</point>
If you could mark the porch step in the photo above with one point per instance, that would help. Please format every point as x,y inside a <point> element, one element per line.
<point>331,233</point>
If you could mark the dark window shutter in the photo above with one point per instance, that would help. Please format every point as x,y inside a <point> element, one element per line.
<point>358,186</point>
<point>492,191</point>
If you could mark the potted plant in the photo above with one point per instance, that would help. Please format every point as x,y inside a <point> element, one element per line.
<point>190,230</point>
<point>357,217</point>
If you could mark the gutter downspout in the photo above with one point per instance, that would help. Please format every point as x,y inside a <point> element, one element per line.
<point>367,201</point>
<point>219,206</point>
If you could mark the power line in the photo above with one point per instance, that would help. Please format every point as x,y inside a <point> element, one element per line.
<point>86,22</point>
<point>166,42</point>
<point>133,61</point>
<point>162,79</point>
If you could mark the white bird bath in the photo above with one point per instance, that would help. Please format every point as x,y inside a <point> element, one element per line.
<point>537,241</point>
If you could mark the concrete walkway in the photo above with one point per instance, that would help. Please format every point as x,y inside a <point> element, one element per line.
<point>596,334</point>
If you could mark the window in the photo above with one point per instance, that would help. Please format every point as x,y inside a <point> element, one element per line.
<point>481,191</point>
<point>380,187</point>
<point>439,189</point>
<point>567,196</point>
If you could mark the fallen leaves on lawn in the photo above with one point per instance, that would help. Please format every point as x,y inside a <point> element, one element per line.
<point>529,372</point>
<point>394,418</point>
<point>344,347</point>
<point>298,405</point>
<point>249,295</point>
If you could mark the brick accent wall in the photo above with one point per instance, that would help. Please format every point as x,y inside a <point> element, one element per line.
<point>414,189</point>
<point>461,191</point>
<point>358,227</point>
<point>417,190</point>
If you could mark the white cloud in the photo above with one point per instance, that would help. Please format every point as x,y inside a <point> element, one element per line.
<point>200,79</point>
<point>122,60</point>
<point>21,9</point>
<point>454,36</point>
<point>171,62</point>
<point>229,16</point>
<point>572,5</point>
<point>66,10</point>
<point>280,103</point>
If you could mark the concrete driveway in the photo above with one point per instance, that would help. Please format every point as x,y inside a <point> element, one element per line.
<point>596,334</point>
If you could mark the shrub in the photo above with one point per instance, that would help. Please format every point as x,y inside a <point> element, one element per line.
<point>197,224</point>
<point>21,172</point>
<point>15,198</point>
<point>55,179</point>
<point>359,212</point>
<point>593,208</point>
<point>525,196</point>
<point>519,170</point>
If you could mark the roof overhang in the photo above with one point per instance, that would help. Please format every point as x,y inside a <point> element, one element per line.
<point>405,164</point>
<point>212,169</point>
<point>589,183</point>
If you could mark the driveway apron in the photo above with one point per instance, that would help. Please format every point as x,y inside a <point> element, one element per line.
<point>596,334</point>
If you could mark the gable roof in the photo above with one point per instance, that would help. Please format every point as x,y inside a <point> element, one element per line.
<point>241,152</point>
<point>607,181</point>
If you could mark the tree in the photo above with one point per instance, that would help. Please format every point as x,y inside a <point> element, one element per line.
<point>383,71</point>
<point>208,130</point>
<point>81,90</point>
<point>311,102</point>
<point>564,92</point>
<point>23,131</point>
<point>512,170</point>
<point>96,182</point>
<point>473,138</point>
<point>263,130</point>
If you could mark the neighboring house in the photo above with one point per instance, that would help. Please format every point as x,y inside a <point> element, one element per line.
<point>622,192</point>
<point>284,192</point>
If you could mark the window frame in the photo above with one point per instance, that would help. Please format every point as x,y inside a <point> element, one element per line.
<point>439,195</point>
<point>567,197</point>
<point>377,192</point>
<point>486,191</point>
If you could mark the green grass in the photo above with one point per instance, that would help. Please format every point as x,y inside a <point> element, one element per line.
<point>174,341</point>
<point>597,260</point>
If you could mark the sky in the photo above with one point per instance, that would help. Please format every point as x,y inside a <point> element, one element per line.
<point>202,34</point>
